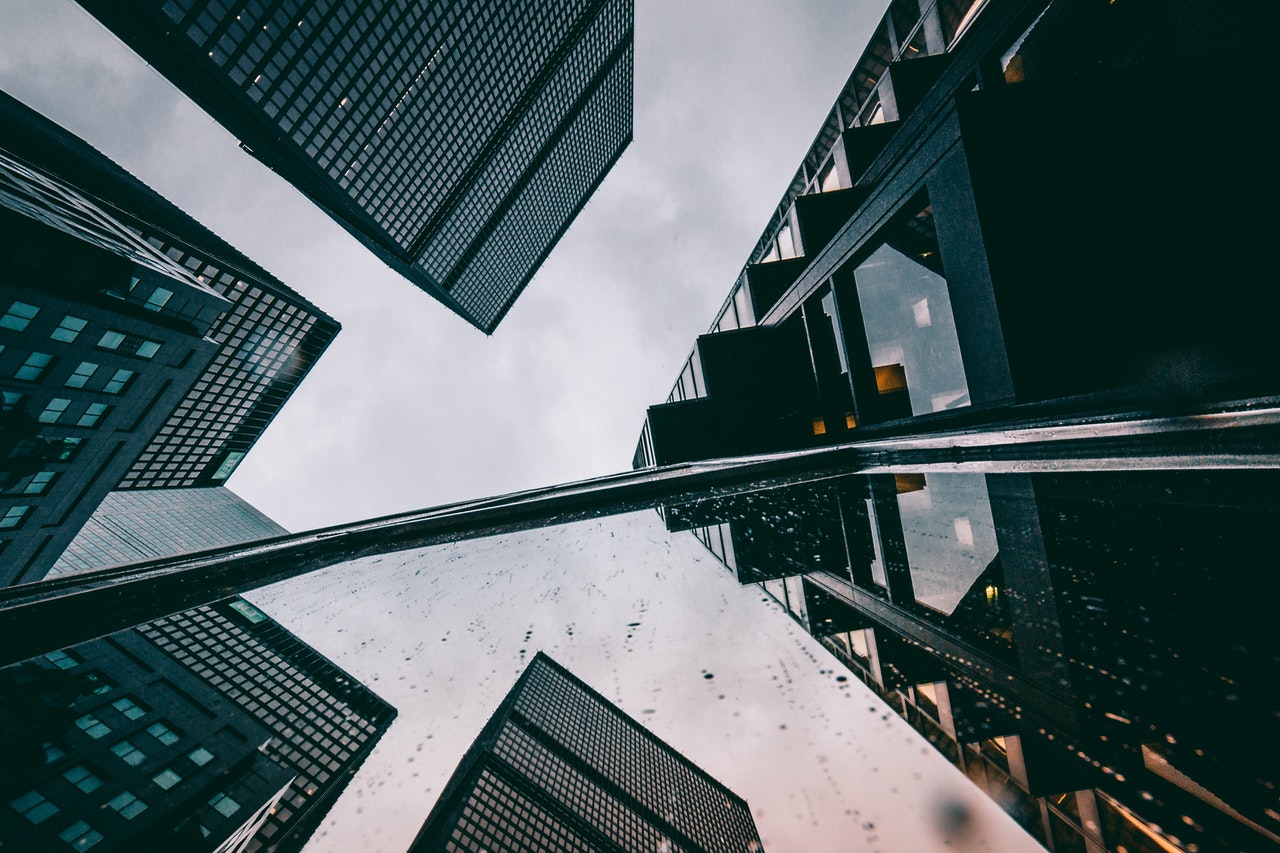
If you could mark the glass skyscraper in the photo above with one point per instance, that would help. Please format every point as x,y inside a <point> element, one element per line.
<point>145,347</point>
<point>559,767</point>
<point>211,729</point>
<point>456,140</point>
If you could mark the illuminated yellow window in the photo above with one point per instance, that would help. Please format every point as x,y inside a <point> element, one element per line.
<point>890,378</point>
<point>849,421</point>
<point>819,426</point>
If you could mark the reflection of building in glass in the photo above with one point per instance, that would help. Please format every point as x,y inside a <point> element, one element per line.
<point>558,767</point>
<point>455,140</point>
<point>129,527</point>
<point>991,226</point>
<point>140,351</point>
<point>1074,643</point>
<point>214,729</point>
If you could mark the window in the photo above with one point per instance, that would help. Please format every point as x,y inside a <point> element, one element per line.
<point>62,660</point>
<point>82,374</point>
<point>162,733</point>
<point>68,447</point>
<point>92,726</point>
<point>129,708</point>
<point>224,805</point>
<point>80,835</point>
<point>12,518</point>
<point>167,778</point>
<point>10,399</point>
<point>69,329</point>
<point>128,753</point>
<point>33,806</point>
<point>34,367</point>
<point>82,778</point>
<point>118,381</point>
<point>54,410</point>
<point>19,315</point>
<point>39,483</point>
<point>147,349</point>
<point>158,298</point>
<point>92,414</point>
<point>200,756</point>
<point>111,340</point>
<point>128,805</point>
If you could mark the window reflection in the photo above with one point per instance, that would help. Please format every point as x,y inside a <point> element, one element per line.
<point>911,332</point>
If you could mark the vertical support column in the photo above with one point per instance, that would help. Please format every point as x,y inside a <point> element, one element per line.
<point>884,496</point>
<point>969,286</point>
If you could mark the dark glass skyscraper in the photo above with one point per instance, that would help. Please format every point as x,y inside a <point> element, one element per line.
<point>138,350</point>
<point>559,767</point>
<point>212,729</point>
<point>456,140</point>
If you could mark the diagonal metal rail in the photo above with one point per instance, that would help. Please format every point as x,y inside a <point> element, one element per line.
<point>40,617</point>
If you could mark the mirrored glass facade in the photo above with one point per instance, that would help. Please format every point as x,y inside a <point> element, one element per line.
<point>560,767</point>
<point>456,140</point>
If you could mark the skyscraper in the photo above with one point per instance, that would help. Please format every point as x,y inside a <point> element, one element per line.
<point>558,767</point>
<point>210,729</point>
<point>456,140</point>
<point>961,247</point>
<point>1030,626</point>
<point>151,354</point>
<point>147,523</point>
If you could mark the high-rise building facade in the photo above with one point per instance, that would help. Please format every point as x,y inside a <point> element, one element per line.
<point>559,767</point>
<point>214,729</point>
<point>455,140</point>
<point>992,226</point>
<point>1032,626</point>
<point>144,524</point>
<point>146,352</point>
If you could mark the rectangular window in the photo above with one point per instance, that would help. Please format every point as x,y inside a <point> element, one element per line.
<point>162,733</point>
<point>67,448</point>
<point>167,778</point>
<point>224,805</point>
<point>132,710</point>
<point>111,340</point>
<point>158,299</point>
<point>93,414</point>
<point>128,753</point>
<point>12,518</point>
<point>54,410</point>
<point>18,317</point>
<point>200,756</point>
<point>40,483</point>
<point>147,349</point>
<point>34,367</point>
<point>82,778</point>
<point>92,726</point>
<point>33,806</point>
<point>82,375</point>
<point>118,381</point>
<point>80,836</point>
<point>69,329</point>
<point>62,660</point>
<point>128,805</point>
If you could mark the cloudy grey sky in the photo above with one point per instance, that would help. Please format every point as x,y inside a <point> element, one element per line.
<point>411,406</point>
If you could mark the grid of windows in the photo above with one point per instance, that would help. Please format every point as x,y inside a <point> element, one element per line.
<point>584,798</point>
<point>398,114</point>
<point>559,758</point>
<point>497,817</point>
<point>268,340</point>
<point>625,754</point>
<point>131,526</point>
<point>323,719</point>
